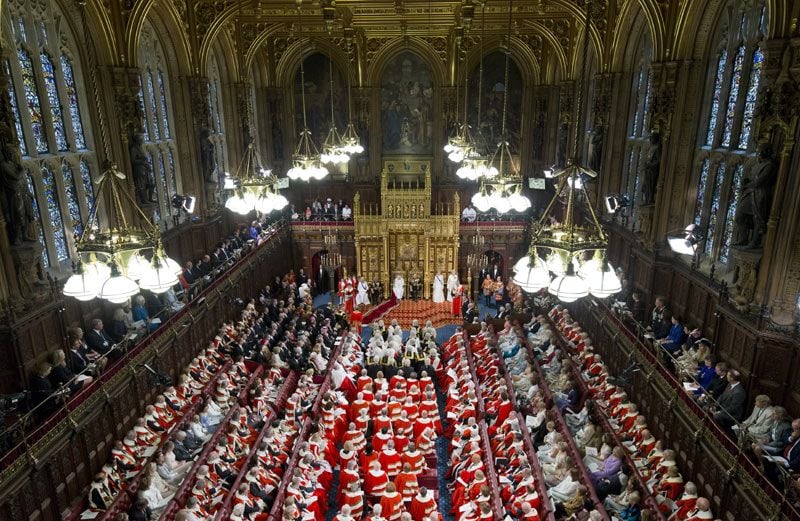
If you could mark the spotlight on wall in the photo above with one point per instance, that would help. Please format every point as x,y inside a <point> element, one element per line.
<point>184,202</point>
<point>686,241</point>
<point>615,202</point>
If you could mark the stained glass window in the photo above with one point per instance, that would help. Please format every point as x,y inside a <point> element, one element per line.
<point>164,184</point>
<point>163,99</point>
<point>37,216</point>
<point>217,110</point>
<point>701,193</point>
<point>716,194</point>
<point>151,93</point>
<point>733,95</point>
<point>72,197</point>
<point>55,104</point>
<point>72,99</point>
<point>12,94</point>
<point>750,99</point>
<point>156,211</point>
<point>173,175</point>
<point>734,192</point>
<point>31,90</point>
<point>146,127</point>
<point>716,97</point>
<point>54,214</point>
<point>46,104</point>
<point>637,91</point>
<point>88,185</point>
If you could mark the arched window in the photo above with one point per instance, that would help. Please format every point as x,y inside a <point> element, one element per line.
<point>216,124</point>
<point>156,106</point>
<point>636,142</point>
<point>727,141</point>
<point>48,99</point>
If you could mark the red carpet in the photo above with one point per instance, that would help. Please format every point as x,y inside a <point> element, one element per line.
<point>376,312</point>
<point>407,311</point>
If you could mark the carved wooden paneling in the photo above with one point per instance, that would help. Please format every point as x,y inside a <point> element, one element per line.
<point>66,464</point>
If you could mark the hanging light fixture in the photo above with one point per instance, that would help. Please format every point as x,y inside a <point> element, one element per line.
<point>501,183</point>
<point>111,260</point>
<point>579,236</point>
<point>351,143</point>
<point>333,148</point>
<point>253,187</point>
<point>306,163</point>
<point>474,165</point>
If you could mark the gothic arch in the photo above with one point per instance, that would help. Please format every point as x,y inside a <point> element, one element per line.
<point>384,56</point>
<point>258,50</point>
<point>169,29</point>
<point>300,50</point>
<point>634,15</point>
<point>521,55</point>
<point>555,47</point>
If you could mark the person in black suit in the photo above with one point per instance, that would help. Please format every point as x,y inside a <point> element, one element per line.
<point>189,273</point>
<point>42,392</point>
<point>719,381</point>
<point>182,453</point>
<point>98,340</point>
<point>61,374</point>
<point>471,313</point>
<point>78,359</point>
<point>791,453</point>
<point>140,511</point>
<point>504,311</point>
<point>731,402</point>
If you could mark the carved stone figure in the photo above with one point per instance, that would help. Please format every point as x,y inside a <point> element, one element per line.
<point>652,167</point>
<point>17,204</point>
<point>596,148</point>
<point>756,200</point>
<point>140,167</point>
<point>207,157</point>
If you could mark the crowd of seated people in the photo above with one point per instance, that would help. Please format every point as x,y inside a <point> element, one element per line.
<point>630,464</point>
<point>282,336</point>
<point>377,425</point>
<point>56,379</point>
<point>319,211</point>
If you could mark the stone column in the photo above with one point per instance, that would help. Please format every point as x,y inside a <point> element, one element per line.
<point>206,179</point>
<point>127,121</point>
<point>776,124</point>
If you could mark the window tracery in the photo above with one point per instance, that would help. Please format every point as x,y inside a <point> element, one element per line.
<point>637,135</point>
<point>47,96</point>
<point>728,138</point>
<point>156,105</point>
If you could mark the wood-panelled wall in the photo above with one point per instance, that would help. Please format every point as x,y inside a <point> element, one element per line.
<point>769,361</point>
<point>715,470</point>
<point>46,481</point>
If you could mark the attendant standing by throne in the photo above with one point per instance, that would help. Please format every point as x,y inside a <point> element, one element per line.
<point>415,287</point>
<point>458,294</point>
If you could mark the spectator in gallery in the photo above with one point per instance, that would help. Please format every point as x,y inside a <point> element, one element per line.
<point>347,212</point>
<point>469,214</point>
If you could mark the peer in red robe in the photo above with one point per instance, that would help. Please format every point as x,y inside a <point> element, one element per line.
<point>423,505</point>
<point>392,504</point>
<point>406,483</point>
<point>375,480</point>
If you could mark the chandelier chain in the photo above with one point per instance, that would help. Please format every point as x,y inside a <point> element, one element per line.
<point>92,66</point>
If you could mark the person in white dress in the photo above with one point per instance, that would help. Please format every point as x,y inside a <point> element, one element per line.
<point>438,288</point>
<point>399,286</point>
<point>452,284</point>
<point>362,293</point>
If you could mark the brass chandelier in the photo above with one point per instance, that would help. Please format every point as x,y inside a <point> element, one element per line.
<point>117,259</point>
<point>253,187</point>
<point>577,263</point>
<point>501,183</point>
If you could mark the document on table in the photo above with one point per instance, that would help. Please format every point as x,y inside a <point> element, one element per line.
<point>690,387</point>
<point>89,514</point>
<point>591,451</point>
<point>777,459</point>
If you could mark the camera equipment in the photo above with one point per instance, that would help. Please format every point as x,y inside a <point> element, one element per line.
<point>158,377</point>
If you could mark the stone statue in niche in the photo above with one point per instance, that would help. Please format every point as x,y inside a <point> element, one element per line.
<point>756,200</point>
<point>207,157</point>
<point>140,168</point>
<point>596,148</point>
<point>17,201</point>
<point>652,166</point>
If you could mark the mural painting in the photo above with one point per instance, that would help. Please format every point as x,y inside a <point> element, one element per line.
<point>407,105</point>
